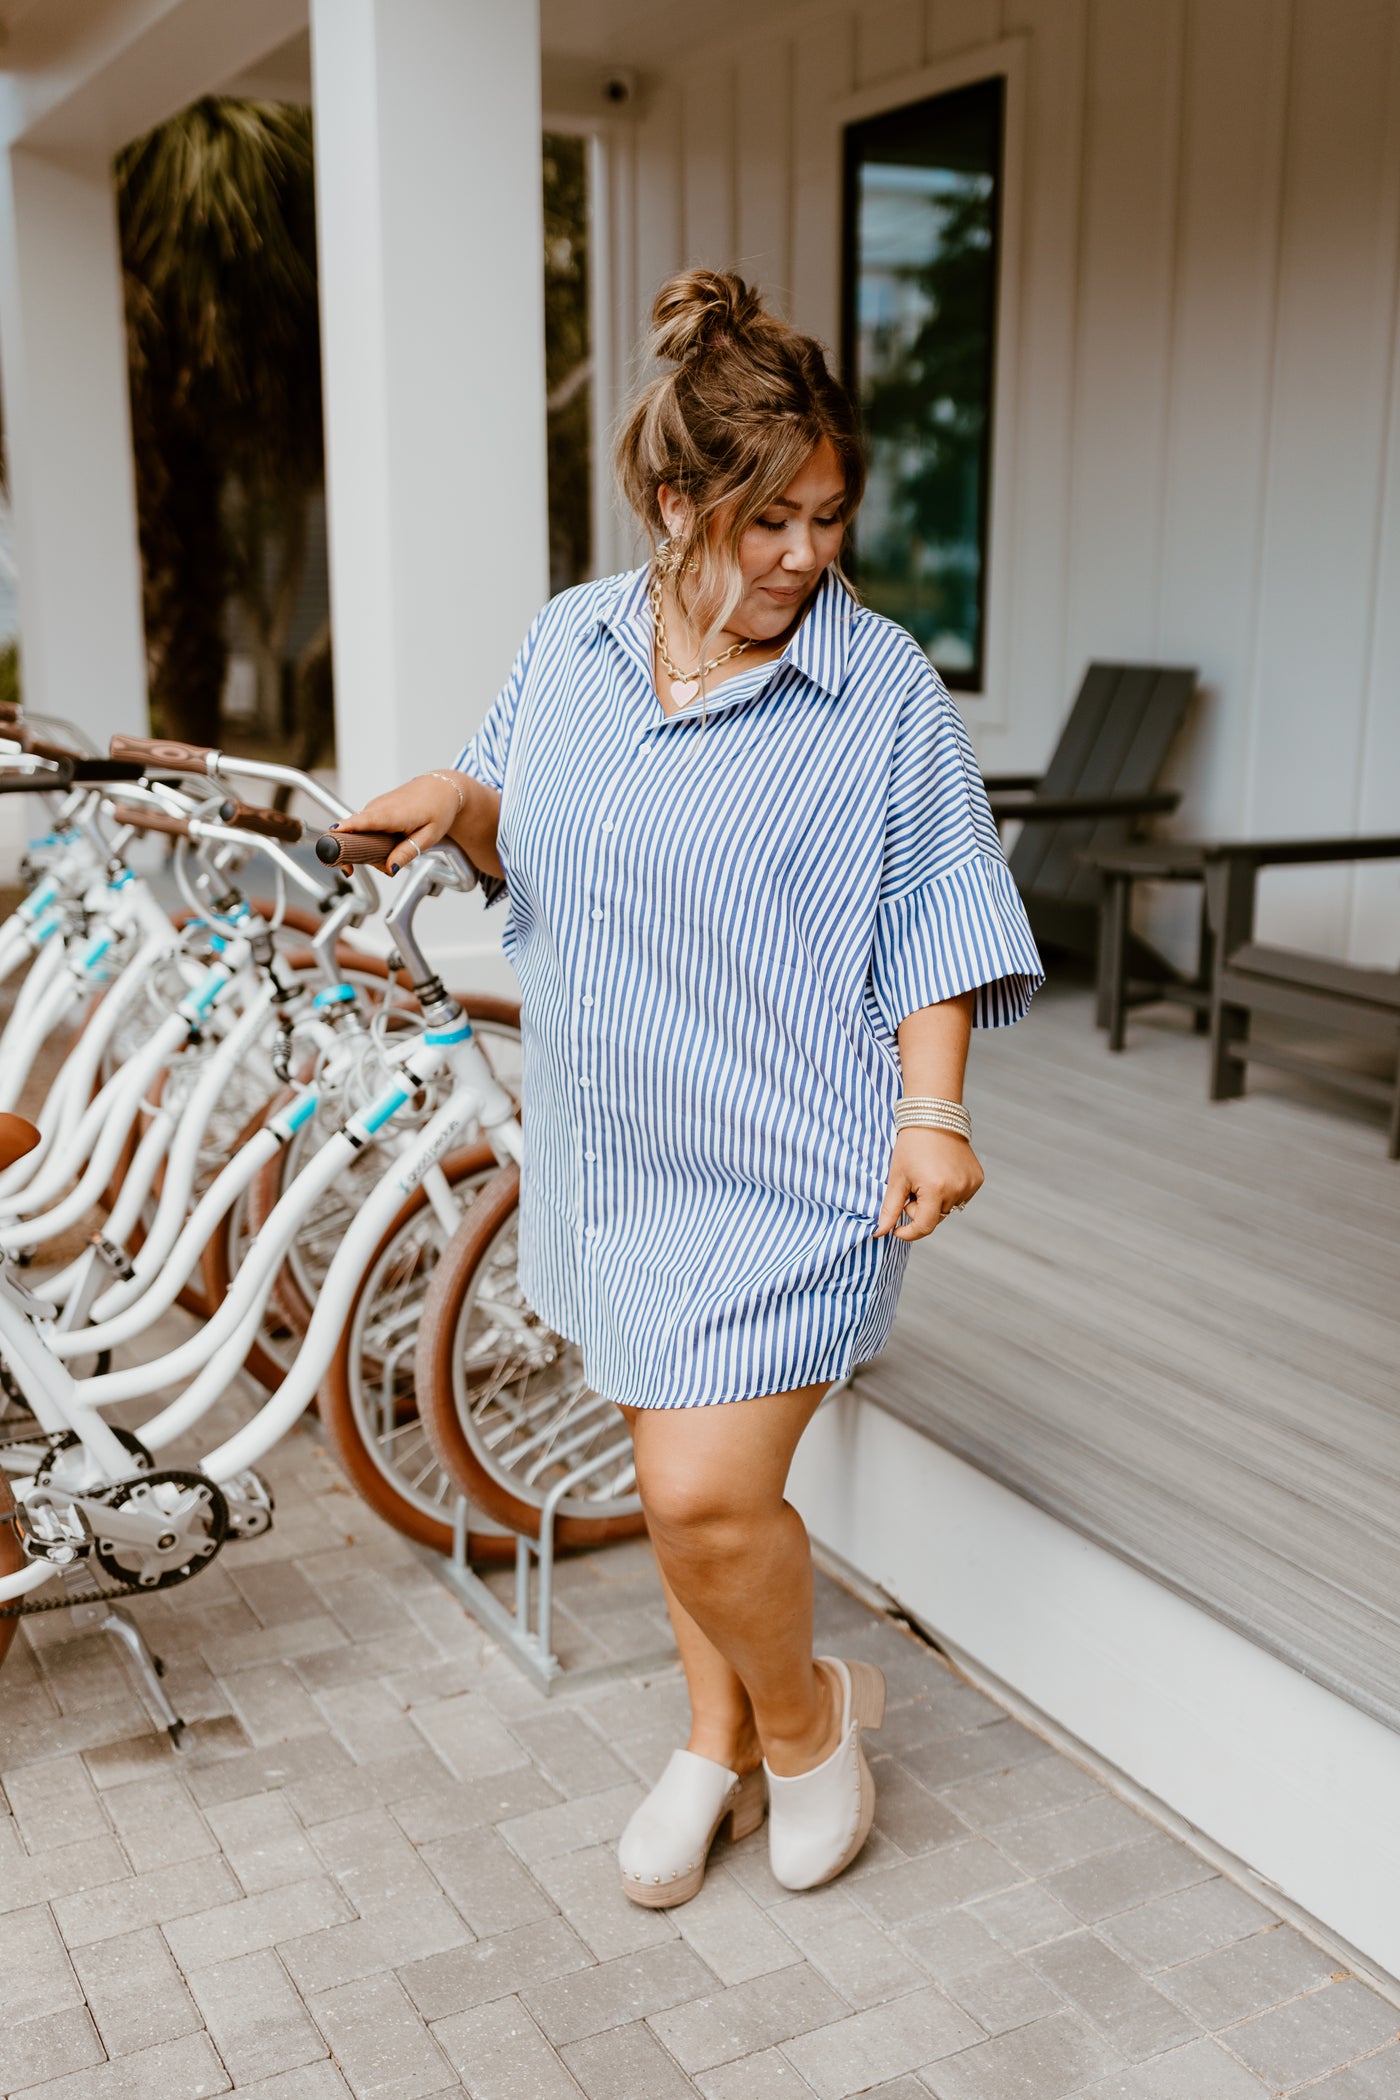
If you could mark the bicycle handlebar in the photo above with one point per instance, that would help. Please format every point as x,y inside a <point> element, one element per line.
<point>264,823</point>
<point>345,849</point>
<point>141,819</point>
<point>163,753</point>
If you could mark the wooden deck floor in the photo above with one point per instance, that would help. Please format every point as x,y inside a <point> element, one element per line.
<point>1176,1326</point>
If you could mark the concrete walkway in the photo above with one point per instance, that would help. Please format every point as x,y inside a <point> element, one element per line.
<point>385,1869</point>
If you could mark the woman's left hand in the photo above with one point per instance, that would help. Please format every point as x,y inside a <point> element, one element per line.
<point>931,1173</point>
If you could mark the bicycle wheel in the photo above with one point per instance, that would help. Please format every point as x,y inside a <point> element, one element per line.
<point>11,1559</point>
<point>367,1403</point>
<point>505,1400</point>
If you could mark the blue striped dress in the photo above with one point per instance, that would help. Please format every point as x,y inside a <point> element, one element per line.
<point>718,921</point>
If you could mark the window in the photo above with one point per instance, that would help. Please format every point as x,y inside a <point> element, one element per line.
<point>568,360</point>
<point>922,210</point>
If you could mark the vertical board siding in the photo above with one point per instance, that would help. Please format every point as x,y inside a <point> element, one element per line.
<point>1205,461</point>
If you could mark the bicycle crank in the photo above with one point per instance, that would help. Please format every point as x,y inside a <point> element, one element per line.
<point>158,1529</point>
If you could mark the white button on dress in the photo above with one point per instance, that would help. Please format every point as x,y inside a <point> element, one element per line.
<point>814,860</point>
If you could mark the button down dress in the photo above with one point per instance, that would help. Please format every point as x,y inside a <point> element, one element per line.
<point>718,922</point>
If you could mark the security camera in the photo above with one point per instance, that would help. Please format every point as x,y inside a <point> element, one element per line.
<point>618,87</point>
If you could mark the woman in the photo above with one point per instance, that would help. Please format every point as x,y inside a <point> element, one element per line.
<point>754,883</point>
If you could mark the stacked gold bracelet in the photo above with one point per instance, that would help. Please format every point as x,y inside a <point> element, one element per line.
<point>920,1112</point>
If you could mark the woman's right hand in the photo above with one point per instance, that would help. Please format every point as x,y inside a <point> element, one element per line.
<point>424,809</point>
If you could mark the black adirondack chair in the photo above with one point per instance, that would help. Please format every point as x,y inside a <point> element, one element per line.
<point>1095,792</point>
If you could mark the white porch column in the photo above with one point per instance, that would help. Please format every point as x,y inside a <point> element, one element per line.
<point>68,438</point>
<point>427,118</point>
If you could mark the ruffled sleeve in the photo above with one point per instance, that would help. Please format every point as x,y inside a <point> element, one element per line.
<point>949,917</point>
<point>485,755</point>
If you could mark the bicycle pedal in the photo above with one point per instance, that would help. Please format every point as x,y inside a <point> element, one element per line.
<point>250,1505</point>
<point>53,1531</point>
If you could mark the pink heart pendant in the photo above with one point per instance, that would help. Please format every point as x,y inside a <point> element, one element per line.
<point>684,689</point>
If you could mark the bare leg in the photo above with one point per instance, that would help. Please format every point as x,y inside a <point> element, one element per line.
<point>734,1556</point>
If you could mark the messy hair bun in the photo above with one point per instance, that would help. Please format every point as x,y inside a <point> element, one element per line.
<point>746,403</point>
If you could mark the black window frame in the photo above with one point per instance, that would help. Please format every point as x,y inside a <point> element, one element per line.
<point>972,679</point>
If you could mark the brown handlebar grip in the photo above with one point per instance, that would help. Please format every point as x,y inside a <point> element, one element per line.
<point>40,747</point>
<point>266,823</point>
<point>163,754</point>
<point>348,849</point>
<point>149,819</point>
<point>9,710</point>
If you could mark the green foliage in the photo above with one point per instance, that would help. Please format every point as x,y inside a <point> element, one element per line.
<point>568,370</point>
<point>217,217</point>
<point>9,673</point>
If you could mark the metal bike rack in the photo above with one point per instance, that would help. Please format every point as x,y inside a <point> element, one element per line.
<point>528,1633</point>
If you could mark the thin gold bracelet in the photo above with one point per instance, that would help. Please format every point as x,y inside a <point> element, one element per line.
<point>454,782</point>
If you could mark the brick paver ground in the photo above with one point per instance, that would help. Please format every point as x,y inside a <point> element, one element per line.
<point>385,1868</point>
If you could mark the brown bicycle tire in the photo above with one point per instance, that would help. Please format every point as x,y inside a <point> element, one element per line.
<point>11,1559</point>
<point>437,1407</point>
<point>337,1414</point>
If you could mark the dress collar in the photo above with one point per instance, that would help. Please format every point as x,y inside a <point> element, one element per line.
<point>817,650</point>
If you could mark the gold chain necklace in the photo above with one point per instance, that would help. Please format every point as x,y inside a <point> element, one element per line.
<point>686,684</point>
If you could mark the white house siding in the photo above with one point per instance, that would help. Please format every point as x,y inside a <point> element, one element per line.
<point>1201,445</point>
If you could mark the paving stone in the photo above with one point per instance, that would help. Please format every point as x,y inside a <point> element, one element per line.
<point>995,1987</point>
<point>1136,2016</point>
<point>54,1804</point>
<point>38,1976</point>
<point>1127,1876</point>
<point>263,1842</point>
<point>730,1933</point>
<point>258,2022</point>
<point>272,1703</point>
<point>382,2047</point>
<point>399,1933</point>
<point>864,1964</point>
<point>940,1713</point>
<point>1049,2060</point>
<point>1037,1788</point>
<point>444,1807</point>
<point>591,1820</point>
<point>469,1736</point>
<point>716,2028</point>
<point>908,1814</point>
<point>624,2063</point>
<point>134,1992</point>
<point>994,1748</point>
<point>276,1593</point>
<point>268,1644</point>
<point>1315,2034</point>
<point>144,1899</point>
<point>585,1887</point>
<point>498,1967</point>
<point>187,2068</point>
<point>372,1861</point>
<point>362,1601</point>
<point>935,1882</point>
<point>500,2054</point>
<point>486,1882</point>
<point>1188,1923</point>
<point>1248,1977</point>
<point>158,1824</point>
<point>369,1721</point>
<point>881,2043</point>
<point>319,2081</point>
<point>116,1762</point>
<point>200,1938</point>
<point>317,1759</point>
<point>1200,2071</point>
<point>615,1992</point>
<point>84,1672</point>
<point>321,1797</point>
<point>1025,1917</point>
<point>766,2076</point>
<point>1374,2078</point>
<point>570,1754</point>
<point>58,2044</point>
<point>1067,1835</point>
<point>382,1659</point>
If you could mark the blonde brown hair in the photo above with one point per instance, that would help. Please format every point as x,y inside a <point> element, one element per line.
<point>748,401</point>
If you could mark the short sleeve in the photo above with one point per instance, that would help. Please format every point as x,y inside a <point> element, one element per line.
<point>949,917</point>
<point>484,756</point>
